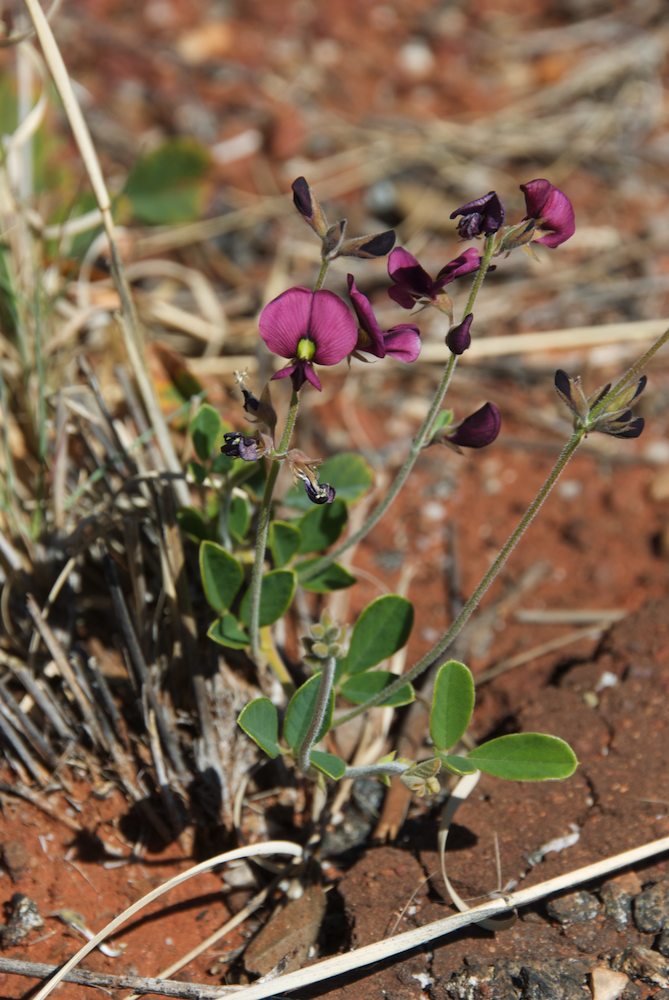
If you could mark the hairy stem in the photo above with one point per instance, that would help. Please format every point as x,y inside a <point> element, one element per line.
<point>418,442</point>
<point>320,708</point>
<point>631,375</point>
<point>488,577</point>
<point>264,514</point>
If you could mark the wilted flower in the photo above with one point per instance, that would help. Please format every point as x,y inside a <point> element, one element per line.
<point>240,446</point>
<point>332,239</point>
<point>309,328</point>
<point>551,211</point>
<point>414,285</point>
<point>476,431</point>
<point>401,342</point>
<point>304,469</point>
<point>480,217</point>
<point>458,338</point>
<point>615,418</point>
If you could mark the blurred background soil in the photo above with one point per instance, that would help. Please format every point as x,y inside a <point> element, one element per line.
<point>396,114</point>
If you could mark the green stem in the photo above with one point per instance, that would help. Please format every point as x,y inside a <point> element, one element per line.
<point>631,375</point>
<point>376,770</point>
<point>320,708</point>
<point>419,440</point>
<point>263,526</point>
<point>321,275</point>
<point>488,577</point>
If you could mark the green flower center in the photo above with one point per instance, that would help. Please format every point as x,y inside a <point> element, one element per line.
<point>306,349</point>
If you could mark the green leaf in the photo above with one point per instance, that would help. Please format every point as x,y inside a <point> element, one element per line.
<point>239,517</point>
<point>226,631</point>
<point>221,573</point>
<point>460,765</point>
<point>167,185</point>
<point>321,526</point>
<point>333,577</point>
<point>193,523</point>
<point>329,764</point>
<point>276,593</point>
<point>360,687</point>
<point>452,704</point>
<point>284,541</point>
<point>260,720</point>
<point>525,757</point>
<point>206,431</point>
<point>349,473</point>
<point>197,471</point>
<point>300,712</point>
<point>382,628</point>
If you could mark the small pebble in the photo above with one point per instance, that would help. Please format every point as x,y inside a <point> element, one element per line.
<point>617,904</point>
<point>651,908</point>
<point>576,908</point>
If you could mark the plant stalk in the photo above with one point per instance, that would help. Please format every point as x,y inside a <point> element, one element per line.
<point>263,526</point>
<point>488,577</point>
<point>419,440</point>
<point>320,708</point>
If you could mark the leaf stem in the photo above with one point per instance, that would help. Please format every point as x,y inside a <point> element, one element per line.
<point>488,577</point>
<point>263,526</point>
<point>320,708</point>
<point>419,440</point>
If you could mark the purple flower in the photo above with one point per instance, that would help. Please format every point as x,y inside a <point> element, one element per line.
<point>240,446</point>
<point>551,211</point>
<point>309,328</point>
<point>480,217</point>
<point>477,430</point>
<point>401,342</point>
<point>413,284</point>
<point>458,338</point>
<point>320,492</point>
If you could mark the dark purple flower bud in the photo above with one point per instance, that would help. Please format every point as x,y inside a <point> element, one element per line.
<point>478,429</point>
<point>239,446</point>
<point>458,338</point>
<point>624,426</point>
<point>307,205</point>
<point>377,245</point>
<point>551,211</point>
<point>319,492</point>
<point>480,217</point>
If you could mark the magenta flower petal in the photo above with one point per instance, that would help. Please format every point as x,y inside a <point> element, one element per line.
<point>552,210</point>
<point>478,429</point>
<point>285,320</point>
<point>310,375</point>
<point>403,342</point>
<point>480,217</point>
<point>372,339</point>
<point>332,328</point>
<point>412,282</point>
<point>467,262</point>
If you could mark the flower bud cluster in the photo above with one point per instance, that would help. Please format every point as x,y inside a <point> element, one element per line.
<point>326,639</point>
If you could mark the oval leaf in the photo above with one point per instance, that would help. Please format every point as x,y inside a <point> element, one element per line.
<point>321,526</point>
<point>221,574</point>
<point>333,577</point>
<point>525,757</point>
<point>276,593</point>
<point>227,631</point>
<point>328,764</point>
<point>300,713</point>
<point>166,186</point>
<point>206,431</point>
<point>260,720</point>
<point>457,764</point>
<point>452,704</point>
<point>284,541</point>
<point>239,517</point>
<point>358,688</point>
<point>382,628</point>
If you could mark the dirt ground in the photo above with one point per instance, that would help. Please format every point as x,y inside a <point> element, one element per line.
<point>386,90</point>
